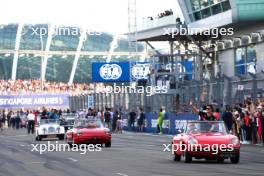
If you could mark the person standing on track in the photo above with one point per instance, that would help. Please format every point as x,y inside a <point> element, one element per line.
<point>31,122</point>
<point>1,122</point>
<point>160,120</point>
<point>132,117</point>
<point>141,120</point>
<point>107,118</point>
<point>17,120</point>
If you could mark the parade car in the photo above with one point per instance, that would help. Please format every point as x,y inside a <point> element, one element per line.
<point>68,120</point>
<point>206,140</point>
<point>89,131</point>
<point>48,128</point>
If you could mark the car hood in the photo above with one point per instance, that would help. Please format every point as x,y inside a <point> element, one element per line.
<point>212,138</point>
<point>49,125</point>
<point>91,130</point>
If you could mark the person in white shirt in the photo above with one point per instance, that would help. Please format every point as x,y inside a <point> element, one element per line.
<point>31,122</point>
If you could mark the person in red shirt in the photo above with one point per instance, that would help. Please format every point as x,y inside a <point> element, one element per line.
<point>248,128</point>
<point>217,114</point>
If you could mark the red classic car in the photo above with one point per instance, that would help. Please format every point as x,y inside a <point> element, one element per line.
<point>88,131</point>
<point>206,140</point>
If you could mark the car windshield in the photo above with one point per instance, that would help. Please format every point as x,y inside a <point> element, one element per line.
<point>49,121</point>
<point>205,127</point>
<point>88,123</point>
<point>70,116</point>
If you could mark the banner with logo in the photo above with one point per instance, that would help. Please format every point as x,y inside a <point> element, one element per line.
<point>172,124</point>
<point>111,72</point>
<point>185,68</point>
<point>34,101</point>
<point>90,101</point>
<point>140,70</point>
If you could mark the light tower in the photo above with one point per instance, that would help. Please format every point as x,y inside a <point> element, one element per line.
<point>132,28</point>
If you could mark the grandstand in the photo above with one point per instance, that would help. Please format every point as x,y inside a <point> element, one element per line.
<point>38,42</point>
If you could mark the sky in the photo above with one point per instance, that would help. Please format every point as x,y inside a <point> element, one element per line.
<point>102,15</point>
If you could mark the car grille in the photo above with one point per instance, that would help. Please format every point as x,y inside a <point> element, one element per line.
<point>51,130</point>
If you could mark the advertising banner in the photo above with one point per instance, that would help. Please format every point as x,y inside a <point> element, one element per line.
<point>34,101</point>
<point>111,72</point>
<point>140,70</point>
<point>90,101</point>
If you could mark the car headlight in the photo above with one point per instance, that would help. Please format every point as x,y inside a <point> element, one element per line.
<point>235,141</point>
<point>193,141</point>
<point>107,131</point>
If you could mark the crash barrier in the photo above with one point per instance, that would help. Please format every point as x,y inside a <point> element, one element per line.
<point>172,123</point>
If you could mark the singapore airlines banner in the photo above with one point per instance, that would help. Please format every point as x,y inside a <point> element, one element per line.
<point>34,101</point>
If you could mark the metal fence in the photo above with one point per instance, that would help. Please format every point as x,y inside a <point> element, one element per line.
<point>220,91</point>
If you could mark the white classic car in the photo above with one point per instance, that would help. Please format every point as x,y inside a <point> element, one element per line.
<point>48,128</point>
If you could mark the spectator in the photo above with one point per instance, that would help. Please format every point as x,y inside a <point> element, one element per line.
<point>13,120</point>
<point>132,117</point>
<point>107,117</point>
<point>1,123</point>
<point>258,115</point>
<point>9,119</point>
<point>141,120</point>
<point>114,123</point>
<point>228,118</point>
<point>17,120</point>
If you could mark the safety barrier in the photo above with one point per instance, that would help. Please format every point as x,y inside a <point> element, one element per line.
<point>172,123</point>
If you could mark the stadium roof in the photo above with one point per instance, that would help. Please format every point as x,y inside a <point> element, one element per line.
<point>67,52</point>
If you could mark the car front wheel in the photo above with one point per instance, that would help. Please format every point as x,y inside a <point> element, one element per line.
<point>108,144</point>
<point>220,160</point>
<point>38,138</point>
<point>177,157</point>
<point>235,159</point>
<point>61,137</point>
<point>188,158</point>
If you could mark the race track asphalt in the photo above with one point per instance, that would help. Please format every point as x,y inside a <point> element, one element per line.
<point>131,154</point>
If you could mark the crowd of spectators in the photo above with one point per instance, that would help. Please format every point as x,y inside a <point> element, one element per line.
<point>163,14</point>
<point>245,120</point>
<point>17,119</point>
<point>26,87</point>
